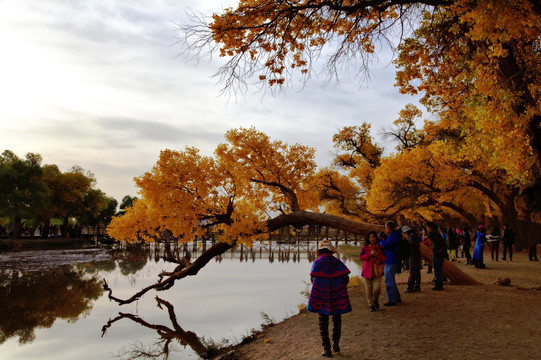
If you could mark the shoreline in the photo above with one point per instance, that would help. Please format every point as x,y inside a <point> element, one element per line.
<point>461,322</point>
<point>9,245</point>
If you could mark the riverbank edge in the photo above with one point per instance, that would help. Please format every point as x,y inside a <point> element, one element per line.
<point>10,245</point>
<point>229,352</point>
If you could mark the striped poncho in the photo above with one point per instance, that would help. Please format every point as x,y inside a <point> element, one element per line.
<point>329,295</point>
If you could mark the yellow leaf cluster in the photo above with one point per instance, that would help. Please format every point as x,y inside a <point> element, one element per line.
<point>249,179</point>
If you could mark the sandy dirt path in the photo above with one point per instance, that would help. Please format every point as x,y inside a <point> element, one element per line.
<point>462,322</point>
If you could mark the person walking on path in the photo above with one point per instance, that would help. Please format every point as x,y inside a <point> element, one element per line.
<point>414,280</point>
<point>439,253</point>
<point>329,295</point>
<point>392,263</point>
<point>466,244</point>
<point>508,239</point>
<point>495,243</point>
<point>480,238</point>
<point>373,258</point>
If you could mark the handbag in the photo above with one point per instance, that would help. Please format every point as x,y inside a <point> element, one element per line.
<point>378,270</point>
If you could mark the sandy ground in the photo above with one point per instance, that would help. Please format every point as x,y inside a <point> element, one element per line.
<point>462,322</point>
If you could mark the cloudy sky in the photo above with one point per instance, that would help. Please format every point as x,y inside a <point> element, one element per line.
<point>100,84</point>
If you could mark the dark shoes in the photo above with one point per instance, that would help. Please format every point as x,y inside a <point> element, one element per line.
<point>377,304</point>
<point>388,303</point>
<point>372,308</point>
<point>327,350</point>
<point>436,288</point>
<point>409,291</point>
<point>327,354</point>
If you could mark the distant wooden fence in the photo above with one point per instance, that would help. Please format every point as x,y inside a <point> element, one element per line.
<point>311,233</point>
<point>95,233</point>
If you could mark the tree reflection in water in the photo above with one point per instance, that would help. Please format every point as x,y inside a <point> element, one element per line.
<point>167,335</point>
<point>132,258</point>
<point>35,300</point>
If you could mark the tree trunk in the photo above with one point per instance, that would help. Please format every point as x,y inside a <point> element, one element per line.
<point>457,276</point>
<point>65,227</point>
<point>16,227</point>
<point>301,218</point>
<point>35,226</point>
<point>45,229</point>
<point>186,269</point>
<point>470,218</point>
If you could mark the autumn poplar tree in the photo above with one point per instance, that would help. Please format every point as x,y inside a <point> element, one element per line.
<point>473,61</point>
<point>250,186</point>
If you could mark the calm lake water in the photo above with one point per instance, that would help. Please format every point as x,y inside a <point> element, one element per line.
<point>51,310</point>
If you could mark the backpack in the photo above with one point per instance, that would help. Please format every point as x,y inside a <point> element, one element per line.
<point>404,250</point>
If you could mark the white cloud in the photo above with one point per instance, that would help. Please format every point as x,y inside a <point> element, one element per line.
<point>100,84</point>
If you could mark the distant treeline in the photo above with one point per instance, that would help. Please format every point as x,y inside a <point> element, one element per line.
<point>34,196</point>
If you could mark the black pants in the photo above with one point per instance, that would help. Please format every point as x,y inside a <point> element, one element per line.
<point>437,258</point>
<point>532,252</point>
<point>494,248</point>
<point>507,246</point>
<point>414,280</point>
<point>324,330</point>
<point>468,255</point>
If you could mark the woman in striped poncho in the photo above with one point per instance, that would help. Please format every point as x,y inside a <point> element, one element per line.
<point>329,295</point>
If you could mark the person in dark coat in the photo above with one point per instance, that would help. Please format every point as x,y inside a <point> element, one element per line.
<point>414,280</point>
<point>329,295</point>
<point>439,253</point>
<point>391,246</point>
<point>466,244</point>
<point>495,243</point>
<point>508,241</point>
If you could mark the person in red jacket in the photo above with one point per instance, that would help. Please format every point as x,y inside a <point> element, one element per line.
<point>373,258</point>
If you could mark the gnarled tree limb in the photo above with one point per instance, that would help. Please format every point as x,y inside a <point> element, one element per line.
<point>297,218</point>
<point>189,270</point>
<point>454,274</point>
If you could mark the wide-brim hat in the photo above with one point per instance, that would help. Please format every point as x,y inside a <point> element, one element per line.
<point>406,228</point>
<point>326,244</point>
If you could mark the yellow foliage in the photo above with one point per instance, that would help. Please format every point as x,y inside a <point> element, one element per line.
<point>233,192</point>
<point>479,68</point>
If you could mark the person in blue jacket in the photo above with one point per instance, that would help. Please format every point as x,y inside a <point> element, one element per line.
<point>480,239</point>
<point>392,263</point>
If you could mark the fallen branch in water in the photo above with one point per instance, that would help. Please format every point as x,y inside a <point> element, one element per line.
<point>185,269</point>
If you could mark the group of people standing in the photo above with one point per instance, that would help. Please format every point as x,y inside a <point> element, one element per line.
<point>385,252</point>
<point>382,260</point>
<point>481,239</point>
